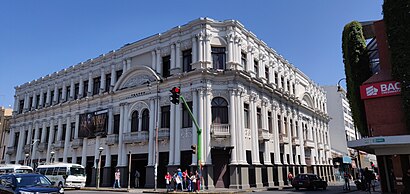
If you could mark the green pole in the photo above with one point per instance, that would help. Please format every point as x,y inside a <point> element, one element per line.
<point>199,132</point>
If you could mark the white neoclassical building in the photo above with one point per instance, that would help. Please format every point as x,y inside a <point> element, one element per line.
<point>260,116</point>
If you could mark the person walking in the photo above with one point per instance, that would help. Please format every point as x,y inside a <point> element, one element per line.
<point>347,178</point>
<point>137,179</point>
<point>193,182</point>
<point>184,179</point>
<point>290,178</point>
<point>368,176</point>
<point>168,179</point>
<point>117,176</point>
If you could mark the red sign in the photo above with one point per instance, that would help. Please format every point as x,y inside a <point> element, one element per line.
<point>381,89</point>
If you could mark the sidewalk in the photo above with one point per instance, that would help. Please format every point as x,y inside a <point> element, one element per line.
<point>145,190</point>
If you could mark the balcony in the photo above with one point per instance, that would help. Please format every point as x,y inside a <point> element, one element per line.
<point>26,148</point>
<point>76,143</point>
<point>295,141</point>
<point>136,137</point>
<point>42,147</point>
<point>320,146</point>
<point>220,130</point>
<point>263,134</point>
<point>163,134</point>
<point>283,138</point>
<point>112,139</point>
<point>309,143</point>
<point>11,150</point>
<point>327,148</point>
<point>59,144</point>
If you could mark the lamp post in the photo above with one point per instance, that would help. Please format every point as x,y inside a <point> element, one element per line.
<point>100,149</point>
<point>339,89</point>
<point>129,171</point>
<point>26,160</point>
<point>52,156</point>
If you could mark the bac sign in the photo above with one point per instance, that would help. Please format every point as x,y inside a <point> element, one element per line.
<point>381,89</point>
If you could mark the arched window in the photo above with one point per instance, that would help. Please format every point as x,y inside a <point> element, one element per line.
<point>145,120</point>
<point>134,121</point>
<point>219,110</point>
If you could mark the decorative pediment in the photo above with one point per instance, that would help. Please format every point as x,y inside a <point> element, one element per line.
<point>135,77</point>
<point>307,100</point>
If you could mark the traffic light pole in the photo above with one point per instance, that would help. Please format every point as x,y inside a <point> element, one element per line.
<point>199,140</point>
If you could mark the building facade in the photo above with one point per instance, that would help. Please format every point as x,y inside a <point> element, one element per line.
<point>5,116</point>
<point>260,116</point>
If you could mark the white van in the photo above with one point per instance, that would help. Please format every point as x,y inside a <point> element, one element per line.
<point>64,174</point>
<point>14,168</point>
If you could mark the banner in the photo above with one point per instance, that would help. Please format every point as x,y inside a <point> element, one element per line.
<point>381,89</point>
<point>93,124</point>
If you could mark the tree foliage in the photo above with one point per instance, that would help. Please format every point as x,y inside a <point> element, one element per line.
<point>397,20</point>
<point>357,71</point>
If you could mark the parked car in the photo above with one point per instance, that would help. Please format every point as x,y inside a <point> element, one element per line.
<point>27,183</point>
<point>309,181</point>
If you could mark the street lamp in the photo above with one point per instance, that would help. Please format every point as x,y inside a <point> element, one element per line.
<point>129,170</point>
<point>26,160</point>
<point>339,88</point>
<point>100,149</point>
<point>52,156</point>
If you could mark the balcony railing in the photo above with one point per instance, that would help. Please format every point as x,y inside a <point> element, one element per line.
<point>42,147</point>
<point>263,134</point>
<point>76,143</point>
<point>11,150</point>
<point>283,138</point>
<point>309,143</point>
<point>26,148</point>
<point>295,141</point>
<point>320,146</point>
<point>58,144</point>
<point>136,137</point>
<point>112,139</point>
<point>163,134</point>
<point>220,130</point>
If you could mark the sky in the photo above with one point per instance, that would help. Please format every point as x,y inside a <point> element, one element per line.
<point>38,38</point>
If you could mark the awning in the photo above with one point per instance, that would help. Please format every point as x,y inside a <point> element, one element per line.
<point>383,145</point>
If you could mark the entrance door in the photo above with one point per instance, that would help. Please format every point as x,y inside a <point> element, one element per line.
<point>139,162</point>
<point>220,159</point>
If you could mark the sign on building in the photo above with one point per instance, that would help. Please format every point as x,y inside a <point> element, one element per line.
<point>381,89</point>
<point>93,124</point>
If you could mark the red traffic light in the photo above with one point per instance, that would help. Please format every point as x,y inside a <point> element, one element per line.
<point>175,90</point>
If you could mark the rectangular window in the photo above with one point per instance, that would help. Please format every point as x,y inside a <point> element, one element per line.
<point>25,137</point>
<point>64,130</point>
<point>76,90</point>
<point>243,60</point>
<point>96,85</point>
<point>187,60</point>
<point>267,73</point>
<point>291,127</point>
<point>166,65</point>
<point>16,139</point>
<point>256,68</point>
<point>246,115</point>
<point>116,124</point>
<point>285,122</point>
<point>276,78</point>
<point>51,97</point>
<point>270,122</point>
<point>30,102</point>
<point>293,89</point>
<point>47,133</point>
<point>279,125</point>
<point>288,85</point>
<point>107,82</point>
<point>40,132</point>
<point>297,129</point>
<point>118,74</point>
<point>165,116</point>
<point>85,88</point>
<point>55,133</point>
<point>44,99</point>
<point>60,95</point>
<point>186,119</point>
<point>218,57</point>
<point>21,106</point>
<point>72,131</point>
<point>282,82</point>
<point>38,101</point>
<point>259,118</point>
<point>68,93</point>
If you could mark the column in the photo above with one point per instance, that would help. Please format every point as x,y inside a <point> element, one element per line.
<point>55,94</point>
<point>201,121</point>
<point>254,131</point>
<point>230,48</point>
<point>25,105</point>
<point>102,82</point>
<point>30,133</point>
<point>196,115</point>
<point>277,163</point>
<point>124,66</point>
<point>84,153</point>
<point>110,120</point>
<point>16,104</point>
<point>178,119</point>
<point>158,61</point>
<point>194,50</point>
<point>240,114</point>
<point>128,63</point>
<point>121,135</point>
<point>153,62</point>
<point>72,87</point>
<point>90,84</point>
<point>48,98</point>
<point>81,90</point>
<point>178,56</point>
<point>33,104</point>
<point>64,94</point>
<point>34,149</point>
<point>200,47</point>
<point>60,129</point>
<point>207,126</point>
<point>44,132</point>
<point>172,136</point>
<point>232,120</point>
<point>113,77</point>
<point>172,56</point>
<point>152,133</point>
<point>208,48</point>
<point>50,140</point>
<point>41,103</point>
<point>67,138</point>
<point>20,145</point>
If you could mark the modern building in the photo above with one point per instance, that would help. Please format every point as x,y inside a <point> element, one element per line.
<point>5,116</point>
<point>389,137</point>
<point>260,116</point>
<point>341,125</point>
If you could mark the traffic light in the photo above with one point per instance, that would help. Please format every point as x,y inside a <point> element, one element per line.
<point>174,97</point>
<point>193,147</point>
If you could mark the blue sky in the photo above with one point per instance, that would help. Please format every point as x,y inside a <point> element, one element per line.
<point>40,37</point>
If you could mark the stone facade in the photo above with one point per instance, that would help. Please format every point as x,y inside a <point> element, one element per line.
<point>260,116</point>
